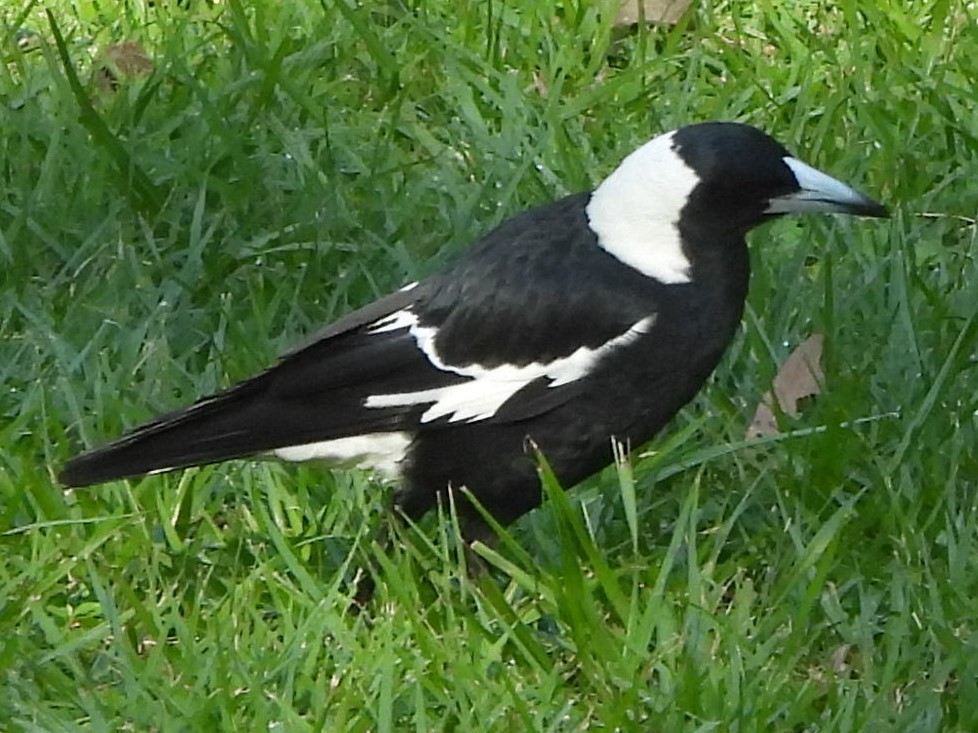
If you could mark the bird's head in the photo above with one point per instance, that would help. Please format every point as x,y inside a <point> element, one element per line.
<point>707,184</point>
<point>744,175</point>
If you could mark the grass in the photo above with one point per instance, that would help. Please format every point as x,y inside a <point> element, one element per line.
<point>284,163</point>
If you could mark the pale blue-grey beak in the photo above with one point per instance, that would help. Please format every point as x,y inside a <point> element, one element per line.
<point>821,192</point>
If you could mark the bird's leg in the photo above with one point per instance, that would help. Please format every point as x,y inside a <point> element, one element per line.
<point>364,587</point>
<point>400,511</point>
<point>475,529</point>
<point>365,580</point>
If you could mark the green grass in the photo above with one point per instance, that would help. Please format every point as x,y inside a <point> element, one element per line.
<point>287,162</point>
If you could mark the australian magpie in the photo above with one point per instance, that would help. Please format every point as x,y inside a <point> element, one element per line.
<point>585,321</point>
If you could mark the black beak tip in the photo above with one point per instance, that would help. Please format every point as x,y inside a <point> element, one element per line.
<point>873,209</point>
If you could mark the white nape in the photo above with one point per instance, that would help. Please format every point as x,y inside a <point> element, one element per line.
<point>489,388</point>
<point>382,452</point>
<point>635,211</point>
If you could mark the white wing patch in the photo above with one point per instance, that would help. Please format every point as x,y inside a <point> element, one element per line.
<point>635,211</point>
<point>382,452</point>
<point>489,388</point>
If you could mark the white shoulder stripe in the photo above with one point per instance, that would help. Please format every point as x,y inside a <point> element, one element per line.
<point>489,388</point>
<point>396,320</point>
<point>635,211</point>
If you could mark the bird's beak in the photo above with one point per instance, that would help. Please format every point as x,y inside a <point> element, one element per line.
<point>821,192</point>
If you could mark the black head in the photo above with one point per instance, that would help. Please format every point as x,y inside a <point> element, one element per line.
<point>701,188</point>
<point>746,177</point>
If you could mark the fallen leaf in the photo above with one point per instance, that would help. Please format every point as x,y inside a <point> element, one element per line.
<point>800,376</point>
<point>631,12</point>
<point>119,62</point>
<point>540,84</point>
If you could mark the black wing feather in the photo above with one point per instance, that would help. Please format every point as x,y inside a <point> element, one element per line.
<point>534,290</point>
<point>530,291</point>
<point>311,395</point>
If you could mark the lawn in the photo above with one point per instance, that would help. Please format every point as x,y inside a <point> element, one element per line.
<point>187,189</point>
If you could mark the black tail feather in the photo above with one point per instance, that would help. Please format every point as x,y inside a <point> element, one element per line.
<point>215,429</point>
<point>313,395</point>
<point>246,420</point>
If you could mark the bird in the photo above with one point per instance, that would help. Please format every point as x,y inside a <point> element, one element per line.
<point>569,328</point>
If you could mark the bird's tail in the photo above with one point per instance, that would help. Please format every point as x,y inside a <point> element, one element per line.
<point>218,428</point>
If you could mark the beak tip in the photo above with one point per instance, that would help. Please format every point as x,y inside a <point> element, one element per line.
<point>818,191</point>
<point>873,209</point>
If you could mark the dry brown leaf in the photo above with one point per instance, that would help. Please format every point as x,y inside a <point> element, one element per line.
<point>540,84</point>
<point>631,12</point>
<point>799,377</point>
<point>121,61</point>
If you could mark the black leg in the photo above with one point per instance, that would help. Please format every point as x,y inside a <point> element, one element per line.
<point>365,581</point>
<point>473,528</point>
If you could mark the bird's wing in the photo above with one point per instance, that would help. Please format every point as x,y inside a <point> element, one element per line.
<point>358,318</point>
<point>509,330</point>
<point>506,333</point>
<point>314,393</point>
